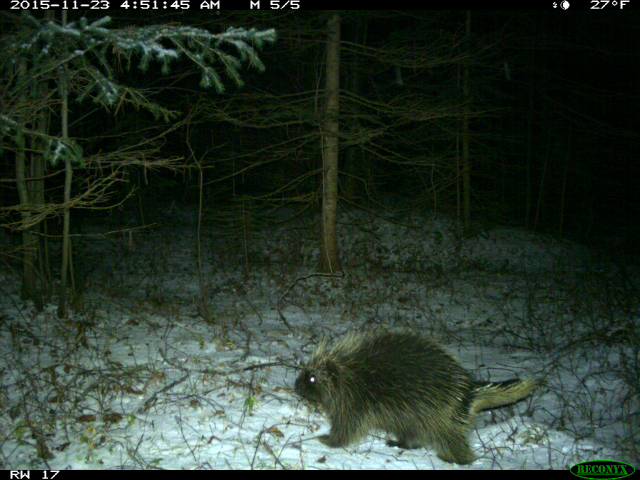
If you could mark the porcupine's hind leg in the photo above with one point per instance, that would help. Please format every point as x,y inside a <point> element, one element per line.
<point>452,446</point>
<point>408,438</point>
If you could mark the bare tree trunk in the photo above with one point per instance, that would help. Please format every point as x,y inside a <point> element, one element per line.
<point>328,241</point>
<point>466,161</point>
<point>66,243</point>
<point>38,170</point>
<point>29,290</point>
<point>355,180</point>
<point>563,190</point>
<point>529,157</point>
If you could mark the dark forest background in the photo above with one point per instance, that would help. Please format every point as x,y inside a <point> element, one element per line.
<point>515,118</point>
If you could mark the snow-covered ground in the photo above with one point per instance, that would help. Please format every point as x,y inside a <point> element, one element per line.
<point>136,378</point>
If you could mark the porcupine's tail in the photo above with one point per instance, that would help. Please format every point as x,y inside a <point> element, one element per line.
<point>490,395</point>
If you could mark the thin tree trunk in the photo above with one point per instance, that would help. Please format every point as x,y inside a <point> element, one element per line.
<point>529,155</point>
<point>66,243</point>
<point>38,170</point>
<point>328,241</point>
<point>29,290</point>
<point>466,161</point>
<point>355,176</point>
<point>563,191</point>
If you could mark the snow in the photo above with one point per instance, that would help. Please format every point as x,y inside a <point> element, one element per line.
<point>135,377</point>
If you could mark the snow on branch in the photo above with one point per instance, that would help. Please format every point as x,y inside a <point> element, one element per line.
<point>83,46</point>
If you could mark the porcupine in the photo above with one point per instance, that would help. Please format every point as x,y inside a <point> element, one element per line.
<point>405,385</point>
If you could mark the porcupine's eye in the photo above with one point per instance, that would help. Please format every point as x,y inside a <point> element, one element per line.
<point>307,385</point>
<point>312,388</point>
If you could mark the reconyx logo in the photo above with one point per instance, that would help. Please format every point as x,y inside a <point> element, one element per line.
<point>602,469</point>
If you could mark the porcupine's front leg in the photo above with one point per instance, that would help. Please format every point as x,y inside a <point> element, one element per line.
<point>344,431</point>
